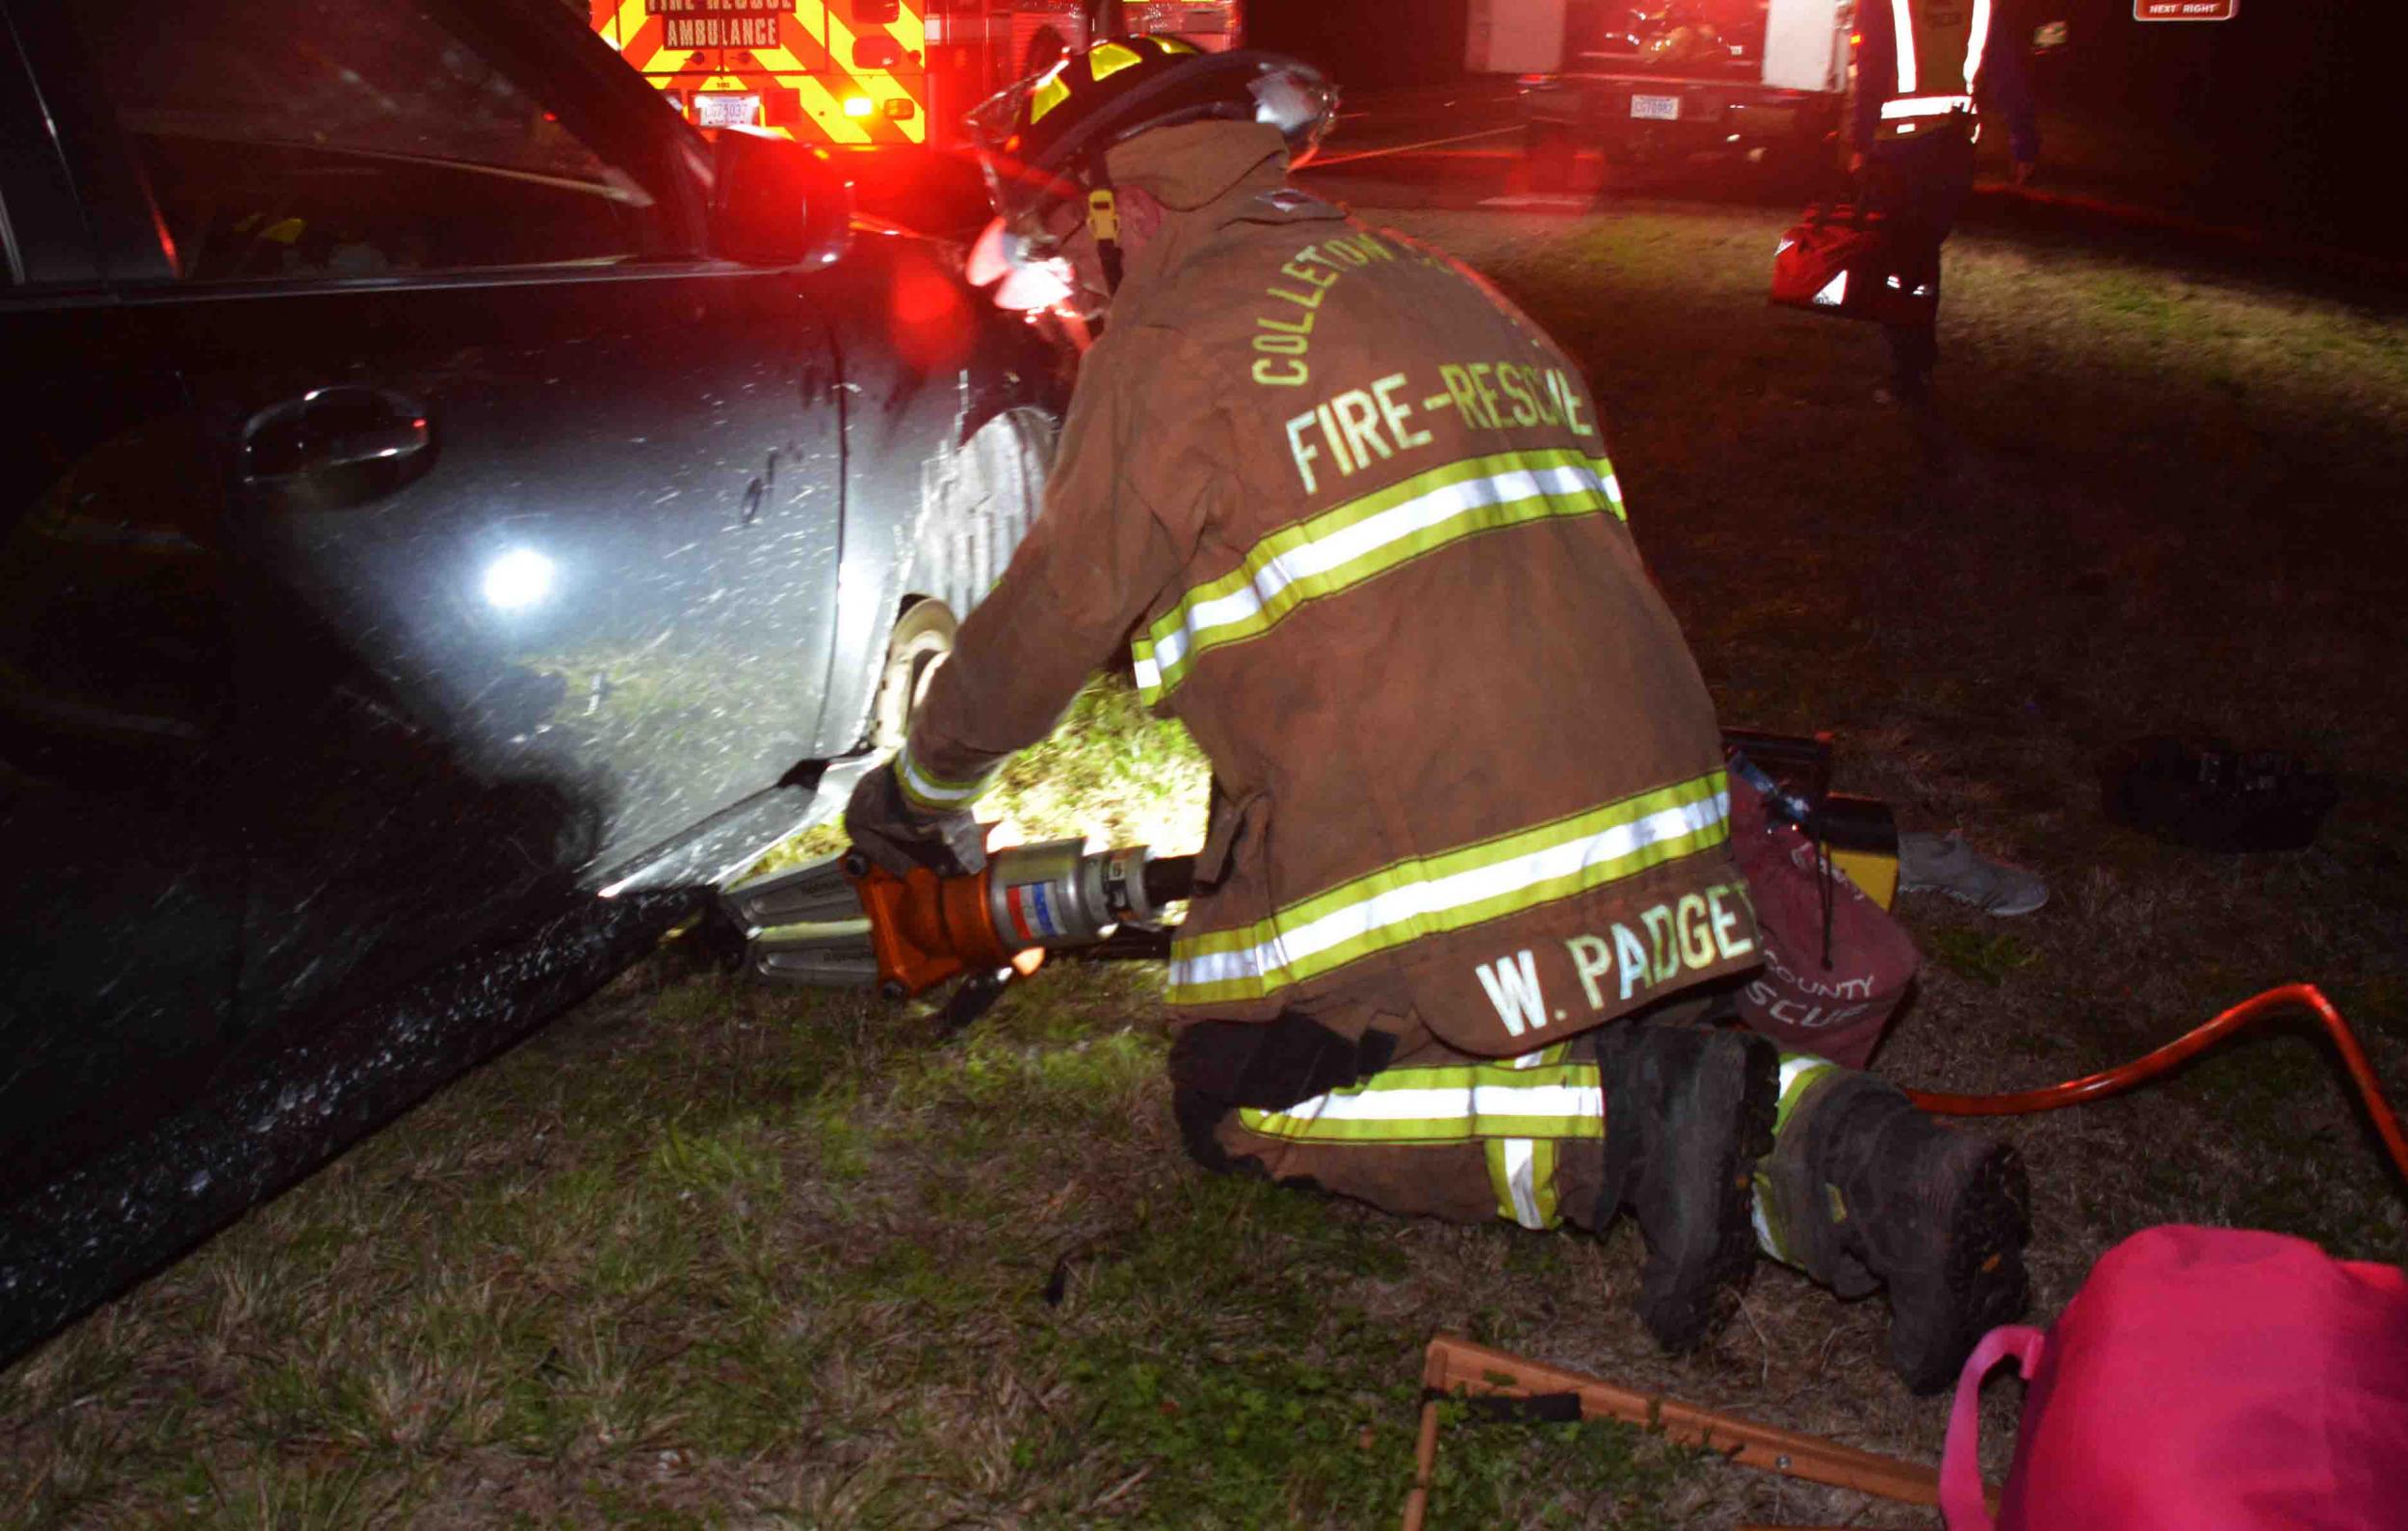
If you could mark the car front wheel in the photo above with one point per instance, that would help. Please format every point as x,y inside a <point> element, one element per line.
<point>922,640</point>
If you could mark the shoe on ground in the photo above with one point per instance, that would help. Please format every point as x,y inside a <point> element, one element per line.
<point>1870,1189</point>
<point>1931,862</point>
<point>1688,1112</point>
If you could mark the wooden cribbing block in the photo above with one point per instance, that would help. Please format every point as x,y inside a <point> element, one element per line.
<point>1456,1365</point>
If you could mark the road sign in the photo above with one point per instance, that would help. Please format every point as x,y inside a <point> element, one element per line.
<point>2185,10</point>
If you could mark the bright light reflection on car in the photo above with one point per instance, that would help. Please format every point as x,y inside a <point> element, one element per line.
<point>516,580</point>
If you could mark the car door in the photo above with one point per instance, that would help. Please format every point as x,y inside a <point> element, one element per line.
<point>531,516</point>
<point>120,911</point>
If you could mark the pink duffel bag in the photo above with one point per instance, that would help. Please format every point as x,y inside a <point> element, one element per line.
<point>2210,1378</point>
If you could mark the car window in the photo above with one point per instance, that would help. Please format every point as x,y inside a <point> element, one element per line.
<point>338,139</point>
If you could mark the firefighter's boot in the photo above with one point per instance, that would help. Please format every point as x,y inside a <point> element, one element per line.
<point>1862,1189</point>
<point>1688,1112</point>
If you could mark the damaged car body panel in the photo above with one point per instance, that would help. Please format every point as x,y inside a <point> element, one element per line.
<point>456,521</point>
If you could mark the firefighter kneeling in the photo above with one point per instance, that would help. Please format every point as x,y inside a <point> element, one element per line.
<point>1470,803</point>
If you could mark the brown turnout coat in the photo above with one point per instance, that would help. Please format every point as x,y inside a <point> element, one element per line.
<point>1351,512</point>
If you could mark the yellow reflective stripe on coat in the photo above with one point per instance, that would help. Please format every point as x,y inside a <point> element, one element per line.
<point>1427,896</point>
<point>1358,541</point>
<point>933,792</point>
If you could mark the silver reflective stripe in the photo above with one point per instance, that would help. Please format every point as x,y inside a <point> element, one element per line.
<point>1902,23</point>
<point>1926,105</point>
<point>1765,1239</point>
<point>1569,1103</point>
<point>1516,1162</point>
<point>1520,1155</point>
<point>1455,1103</point>
<point>1975,45</point>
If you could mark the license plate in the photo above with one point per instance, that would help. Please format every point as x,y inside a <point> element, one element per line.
<point>726,111</point>
<point>1656,108</point>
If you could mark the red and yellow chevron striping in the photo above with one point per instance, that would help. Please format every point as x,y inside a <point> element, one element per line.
<point>812,70</point>
<point>862,72</point>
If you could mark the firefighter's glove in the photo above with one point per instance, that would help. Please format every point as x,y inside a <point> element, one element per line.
<point>899,836</point>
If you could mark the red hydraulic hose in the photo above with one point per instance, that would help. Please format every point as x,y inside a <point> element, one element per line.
<point>2181,1050</point>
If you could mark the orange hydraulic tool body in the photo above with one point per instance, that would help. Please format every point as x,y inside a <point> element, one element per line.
<point>847,921</point>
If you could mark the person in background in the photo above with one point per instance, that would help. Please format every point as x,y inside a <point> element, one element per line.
<point>1922,70</point>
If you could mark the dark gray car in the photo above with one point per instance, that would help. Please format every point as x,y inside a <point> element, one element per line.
<point>454,516</point>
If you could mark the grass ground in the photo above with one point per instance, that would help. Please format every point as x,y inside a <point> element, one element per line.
<point>702,1254</point>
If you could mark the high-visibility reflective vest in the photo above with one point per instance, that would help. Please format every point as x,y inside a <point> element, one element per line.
<point>1939,47</point>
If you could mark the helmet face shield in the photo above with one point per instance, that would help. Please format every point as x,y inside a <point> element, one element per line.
<point>1300,101</point>
<point>1023,194</point>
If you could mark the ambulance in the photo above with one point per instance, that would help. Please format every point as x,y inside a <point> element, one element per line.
<point>870,72</point>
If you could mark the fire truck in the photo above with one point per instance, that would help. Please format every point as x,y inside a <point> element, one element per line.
<point>868,72</point>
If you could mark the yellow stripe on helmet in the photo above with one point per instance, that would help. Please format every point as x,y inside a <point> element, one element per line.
<point>1108,59</point>
<point>1050,92</point>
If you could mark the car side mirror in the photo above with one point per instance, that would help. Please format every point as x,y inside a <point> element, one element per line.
<point>775,202</point>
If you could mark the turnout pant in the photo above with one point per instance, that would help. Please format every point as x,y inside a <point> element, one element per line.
<point>1423,1130</point>
<point>1922,185</point>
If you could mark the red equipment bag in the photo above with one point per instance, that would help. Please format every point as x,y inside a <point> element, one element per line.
<point>1839,259</point>
<point>1835,964</point>
<point>2206,1377</point>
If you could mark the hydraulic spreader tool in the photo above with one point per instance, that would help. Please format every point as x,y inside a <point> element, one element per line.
<point>847,922</point>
